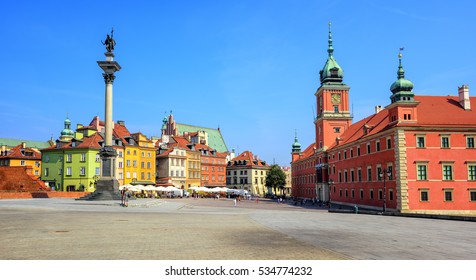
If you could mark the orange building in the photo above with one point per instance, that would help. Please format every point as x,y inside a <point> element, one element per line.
<point>21,155</point>
<point>416,155</point>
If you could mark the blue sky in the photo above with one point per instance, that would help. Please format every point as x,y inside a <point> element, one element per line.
<point>248,67</point>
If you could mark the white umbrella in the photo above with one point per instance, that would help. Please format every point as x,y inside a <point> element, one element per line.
<point>150,188</point>
<point>171,189</point>
<point>125,186</point>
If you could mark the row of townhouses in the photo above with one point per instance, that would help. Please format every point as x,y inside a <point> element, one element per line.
<point>184,156</point>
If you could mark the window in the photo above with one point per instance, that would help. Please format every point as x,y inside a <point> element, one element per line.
<point>134,163</point>
<point>420,143</point>
<point>390,172</point>
<point>68,171</point>
<point>128,174</point>
<point>336,109</point>
<point>368,148</point>
<point>472,195</point>
<point>351,153</point>
<point>128,162</point>
<point>470,142</point>
<point>472,172</point>
<point>46,172</point>
<point>336,129</point>
<point>361,193</point>
<point>390,195</point>
<point>352,177</point>
<point>120,164</point>
<point>371,193</point>
<point>69,157</point>
<point>98,158</point>
<point>358,151</point>
<point>82,171</point>
<point>379,173</point>
<point>424,195</point>
<point>378,146</point>
<point>98,171</point>
<point>83,157</point>
<point>448,194</point>
<point>380,194</point>
<point>359,175</point>
<point>47,158</point>
<point>120,176</point>
<point>60,171</point>
<point>120,154</point>
<point>389,143</point>
<point>445,141</point>
<point>369,174</point>
<point>447,172</point>
<point>352,193</point>
<point>422,172</point>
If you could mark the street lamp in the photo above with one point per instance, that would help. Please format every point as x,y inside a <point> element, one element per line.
<point>384,172</point>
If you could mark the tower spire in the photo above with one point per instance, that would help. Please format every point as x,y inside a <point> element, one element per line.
<point>400,72</point>
<point>330,50</point>
<point>402,88</point>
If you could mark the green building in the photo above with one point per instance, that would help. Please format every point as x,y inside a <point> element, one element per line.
<point>73,163</point>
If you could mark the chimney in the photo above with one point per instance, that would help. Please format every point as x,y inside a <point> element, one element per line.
<point>123,123</point>
<point>378,108</point>
<point>463,93</point>
<point>23,145</point>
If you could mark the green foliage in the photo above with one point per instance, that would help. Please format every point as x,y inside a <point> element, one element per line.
<point>276,178</point>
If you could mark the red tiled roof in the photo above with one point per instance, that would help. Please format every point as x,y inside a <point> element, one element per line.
<point>18,152</point>
<point>19,178</point>
<point>445,111</point>
<point>432,111</point>
<point>250,159</point>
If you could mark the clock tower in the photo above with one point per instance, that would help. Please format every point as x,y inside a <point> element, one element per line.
<point>332,100</point>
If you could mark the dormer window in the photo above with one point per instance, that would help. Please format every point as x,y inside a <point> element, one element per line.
<point>334,72</point>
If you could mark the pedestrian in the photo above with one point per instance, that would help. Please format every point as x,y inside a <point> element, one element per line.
<point>234,201</point>
<point>123,194</point>
<point>127,195</point>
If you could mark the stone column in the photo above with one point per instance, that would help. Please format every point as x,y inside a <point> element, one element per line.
<point>107,187</point>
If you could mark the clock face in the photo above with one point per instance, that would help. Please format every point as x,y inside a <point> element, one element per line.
<point>335,98</point>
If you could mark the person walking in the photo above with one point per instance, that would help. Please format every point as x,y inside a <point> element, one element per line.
<point>127,195</point>
<point>234,201</point>
<point>123,196</point>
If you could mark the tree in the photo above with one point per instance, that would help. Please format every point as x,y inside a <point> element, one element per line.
<point>276,178</point>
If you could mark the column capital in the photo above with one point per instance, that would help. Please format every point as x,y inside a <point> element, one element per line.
<point>109,78</point>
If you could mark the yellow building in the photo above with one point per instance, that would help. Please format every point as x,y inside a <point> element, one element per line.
<point>139,160</point>
<point>193,167</point>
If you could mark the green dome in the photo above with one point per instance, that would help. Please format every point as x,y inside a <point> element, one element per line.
<point>402,88</point>
<point>332,72</point>
<point>401,84</point>
<point>67,131</point>
<point>296,145</point>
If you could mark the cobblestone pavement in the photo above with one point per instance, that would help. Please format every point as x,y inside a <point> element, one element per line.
<point>205,229</point>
